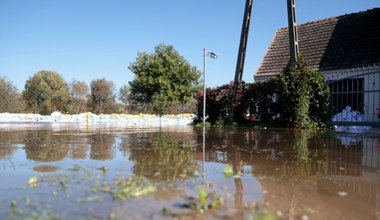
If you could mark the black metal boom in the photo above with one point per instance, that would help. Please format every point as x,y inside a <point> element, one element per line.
<point>243,41</point>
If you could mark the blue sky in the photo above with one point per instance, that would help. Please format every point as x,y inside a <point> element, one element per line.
<point>92,39</point>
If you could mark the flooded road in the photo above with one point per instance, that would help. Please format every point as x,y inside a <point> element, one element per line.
<point>73,171</point>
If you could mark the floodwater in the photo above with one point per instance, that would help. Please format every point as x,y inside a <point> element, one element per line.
<point>68,171</point>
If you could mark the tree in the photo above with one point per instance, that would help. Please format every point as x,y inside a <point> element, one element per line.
<point>163,73</point>
<point>10,98</point>
<point>304,93</point>
<point>79,92</point>
<point>46,92</point>
<point>102,98</point>
<point>160,104</point>
<point>125,96</point>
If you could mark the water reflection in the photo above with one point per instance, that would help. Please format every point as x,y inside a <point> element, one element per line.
<point>7,148</point>
<point>163,156</point>
<point>45,168</point>
<point>291,173</point>
<point>44,147</point>
<point>102,146</point>
<point>300,170</point>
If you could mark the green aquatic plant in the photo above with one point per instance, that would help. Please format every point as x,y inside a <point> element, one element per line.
<point>203,198</point>
<point>132,187</point>
<point>263,216</point>
<point>205,202</point>
<point>228,172</point>
<point>200,124</point>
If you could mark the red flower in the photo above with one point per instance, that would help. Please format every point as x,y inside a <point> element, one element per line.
<point>377,112</point>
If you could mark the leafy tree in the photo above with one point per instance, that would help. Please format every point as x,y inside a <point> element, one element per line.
<point>79,92</point>
<point>45,92</point>
<point>10,99</point>
<point>305,95</point>
<point>102,98</point>
<point>160,104</point>
<point>164,72</point>
<point>125,96</point>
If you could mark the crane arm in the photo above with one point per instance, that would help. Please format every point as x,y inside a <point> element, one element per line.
<point>243,41</point>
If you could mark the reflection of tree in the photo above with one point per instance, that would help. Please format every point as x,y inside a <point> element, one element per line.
<point>308,163</point>
<point>102,147</point>
<point>45,168</point>
<point>7,148</point>
<point>163,156</point>
<point>300,147</point>
<point>291,159</point>
<point>78,151</point>
<point>304,165</point>
<point>41,145</point>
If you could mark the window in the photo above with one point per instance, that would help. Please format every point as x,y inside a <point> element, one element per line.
<point>347,92</point>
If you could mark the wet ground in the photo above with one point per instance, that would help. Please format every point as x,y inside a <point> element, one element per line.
<point>74,171</point>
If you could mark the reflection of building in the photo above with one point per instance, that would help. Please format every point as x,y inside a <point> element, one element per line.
<point>362,148</point>
<point>345,49</point>
<point>371,152</point>
<point>335,181</point>
<point>352,168</point>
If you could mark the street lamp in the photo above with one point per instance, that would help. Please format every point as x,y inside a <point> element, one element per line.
<point>205,55</point>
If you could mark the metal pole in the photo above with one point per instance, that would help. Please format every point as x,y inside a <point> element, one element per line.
<point>203,153</point>
<point>241,54</point>
<point>293,33</point>
<point>204,85</point>
<point>243,41</point>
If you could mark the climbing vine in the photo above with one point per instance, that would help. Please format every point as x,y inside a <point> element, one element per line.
<point>303,96</point>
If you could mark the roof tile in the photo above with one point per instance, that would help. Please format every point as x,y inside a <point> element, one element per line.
<point>342,42</point>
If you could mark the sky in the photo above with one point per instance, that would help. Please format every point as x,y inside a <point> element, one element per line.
<point>92,39</point>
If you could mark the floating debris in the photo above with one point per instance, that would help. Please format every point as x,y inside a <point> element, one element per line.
<point>104,169</point>
<point>342,194</point>
<point>32,182</point>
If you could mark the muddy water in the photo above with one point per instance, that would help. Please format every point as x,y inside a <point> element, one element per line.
<point>68,171</point>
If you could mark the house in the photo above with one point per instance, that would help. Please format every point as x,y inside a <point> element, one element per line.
<point>346,50</point>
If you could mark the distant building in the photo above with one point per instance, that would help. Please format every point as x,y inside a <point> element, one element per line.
<point>345,49</point>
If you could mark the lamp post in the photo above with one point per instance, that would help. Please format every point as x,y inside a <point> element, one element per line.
<point>205,55</point>
<point>204,85</point>
<point>213,56</point>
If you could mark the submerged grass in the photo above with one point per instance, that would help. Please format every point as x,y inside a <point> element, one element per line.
<point>77,184</point>
<point>91,187</point>
<point>132,187</point>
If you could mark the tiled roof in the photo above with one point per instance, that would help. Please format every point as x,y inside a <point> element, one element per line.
<point>343,42</point>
